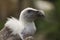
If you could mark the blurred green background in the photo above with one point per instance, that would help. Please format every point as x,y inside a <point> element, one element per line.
<point>47,28</point>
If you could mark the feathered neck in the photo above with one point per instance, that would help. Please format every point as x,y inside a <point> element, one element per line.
<point>17,26</point>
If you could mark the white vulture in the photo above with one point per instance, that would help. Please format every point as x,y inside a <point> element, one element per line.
<point>22,28</point>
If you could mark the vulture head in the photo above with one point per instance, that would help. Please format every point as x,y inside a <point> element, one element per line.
<point>31,14</point>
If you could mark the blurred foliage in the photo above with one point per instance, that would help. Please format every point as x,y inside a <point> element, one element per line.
<point>51,26</point>
<point>2,24</point>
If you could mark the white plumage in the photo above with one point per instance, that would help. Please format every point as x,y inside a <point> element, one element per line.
<point>25,26</point>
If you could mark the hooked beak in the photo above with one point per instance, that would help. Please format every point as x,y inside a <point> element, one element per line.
<point>40,13</point>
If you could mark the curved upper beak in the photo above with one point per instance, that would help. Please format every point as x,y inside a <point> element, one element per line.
<point>40,13</point>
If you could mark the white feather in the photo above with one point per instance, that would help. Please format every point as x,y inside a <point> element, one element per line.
<point>14,25</point>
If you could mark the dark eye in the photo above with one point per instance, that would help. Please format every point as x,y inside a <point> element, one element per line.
<point>29,11</point>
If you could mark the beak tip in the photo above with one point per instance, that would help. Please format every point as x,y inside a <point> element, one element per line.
<point>42,13</point>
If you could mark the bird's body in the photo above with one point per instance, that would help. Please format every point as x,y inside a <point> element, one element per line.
<point>6,34</point>
<point>20,29</point>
